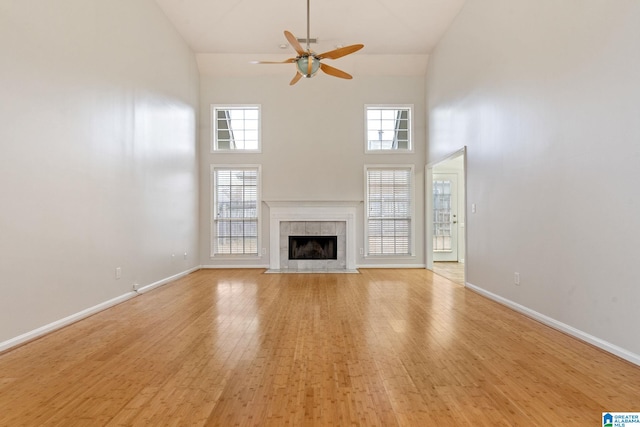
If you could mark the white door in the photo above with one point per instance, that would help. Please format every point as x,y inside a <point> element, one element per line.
<point>445,217</point>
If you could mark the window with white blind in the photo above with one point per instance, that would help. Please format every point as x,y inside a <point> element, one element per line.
<point>236,128</point>
<point>236,210</point>
<point>389,210</point>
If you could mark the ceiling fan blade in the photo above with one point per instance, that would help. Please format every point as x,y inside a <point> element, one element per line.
<point>295,79</point>
<point>293,41</point>
<point>332,71</point>
<point>340,52</point>
<point>288,61</point>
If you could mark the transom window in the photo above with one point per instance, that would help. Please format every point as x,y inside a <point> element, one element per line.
<point>388,128</point>
<point>389,210</point>
<point>236,128</point>
<point>235,210</point>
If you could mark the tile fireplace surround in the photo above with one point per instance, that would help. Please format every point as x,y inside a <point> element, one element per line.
<point>312,218</point>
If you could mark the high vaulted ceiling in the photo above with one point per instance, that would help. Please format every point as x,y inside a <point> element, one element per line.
<point>254,28</point>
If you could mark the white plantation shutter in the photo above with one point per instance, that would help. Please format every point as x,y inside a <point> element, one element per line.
<point>389,211</point>
<point>235,211</point>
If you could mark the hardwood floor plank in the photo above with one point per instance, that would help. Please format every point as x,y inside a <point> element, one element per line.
<point>451,270</point>
<point>380,348</point>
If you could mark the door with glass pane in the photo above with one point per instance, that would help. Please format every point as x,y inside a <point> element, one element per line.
<point>445,217</point>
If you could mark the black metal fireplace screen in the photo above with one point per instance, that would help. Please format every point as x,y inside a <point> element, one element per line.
<point>313,247</point>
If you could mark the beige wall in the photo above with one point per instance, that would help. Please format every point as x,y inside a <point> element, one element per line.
<point>312,144</point>
<point>97,155</point>
<point>545,96</point>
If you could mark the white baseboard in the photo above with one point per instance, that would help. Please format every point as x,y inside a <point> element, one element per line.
<point>255,266</point>
<point>227,267</point>
<point>392,266</point>
<point>58,324</point>
<point>159,283</point>
<point>569,330</point>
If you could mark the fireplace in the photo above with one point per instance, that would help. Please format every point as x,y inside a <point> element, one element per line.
<point>313,247</point>
<point>312,220</point>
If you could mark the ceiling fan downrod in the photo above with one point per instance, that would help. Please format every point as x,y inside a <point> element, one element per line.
<point>308,24</point>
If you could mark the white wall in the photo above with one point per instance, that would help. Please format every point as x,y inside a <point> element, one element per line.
<point>545,96</point>
<point>312,143</point>
<point>98,162</point>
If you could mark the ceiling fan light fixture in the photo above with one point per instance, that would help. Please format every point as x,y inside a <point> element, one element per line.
<point>305,68</point>
<point>309,63</point>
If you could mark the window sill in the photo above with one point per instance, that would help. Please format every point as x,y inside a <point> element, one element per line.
<point>389,256</point>
<point>214,151</point>
<point>388,151</point>
<point>235,257</point>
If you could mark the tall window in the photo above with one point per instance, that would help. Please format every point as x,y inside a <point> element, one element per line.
<point>389,210</point>
<point>388,128</point>
<point>235,210</point>
<point>236,128</point>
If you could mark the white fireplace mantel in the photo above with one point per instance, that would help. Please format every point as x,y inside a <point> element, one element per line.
<point>280,211</point>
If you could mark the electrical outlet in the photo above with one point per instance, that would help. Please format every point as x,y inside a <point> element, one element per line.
<point>516,278</point>
<point>473,208</point>
<point>264,251</point>
<point>118,273</point>
<point>136,286</point>
<point>361,251</point>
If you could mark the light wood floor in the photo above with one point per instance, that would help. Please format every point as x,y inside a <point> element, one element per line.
<point>453,271</point>
<point>381,348</point>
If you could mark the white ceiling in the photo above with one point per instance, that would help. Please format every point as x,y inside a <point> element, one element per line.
<point>238,30</point>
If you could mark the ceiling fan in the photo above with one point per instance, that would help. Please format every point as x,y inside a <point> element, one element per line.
<point>308,62</point>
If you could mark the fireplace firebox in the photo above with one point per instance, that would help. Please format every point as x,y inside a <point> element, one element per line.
<point>313,247</point>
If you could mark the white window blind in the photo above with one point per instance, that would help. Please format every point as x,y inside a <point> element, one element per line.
<point>235,211</point>
<point>389,211</point>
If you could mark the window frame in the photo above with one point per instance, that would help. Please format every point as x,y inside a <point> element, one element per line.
<point>213,217</point>
<point>411,218</point>
<point>409,107</point>
<point>214,127</point>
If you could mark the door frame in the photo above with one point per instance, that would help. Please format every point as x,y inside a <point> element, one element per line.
<point>429,206</point>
